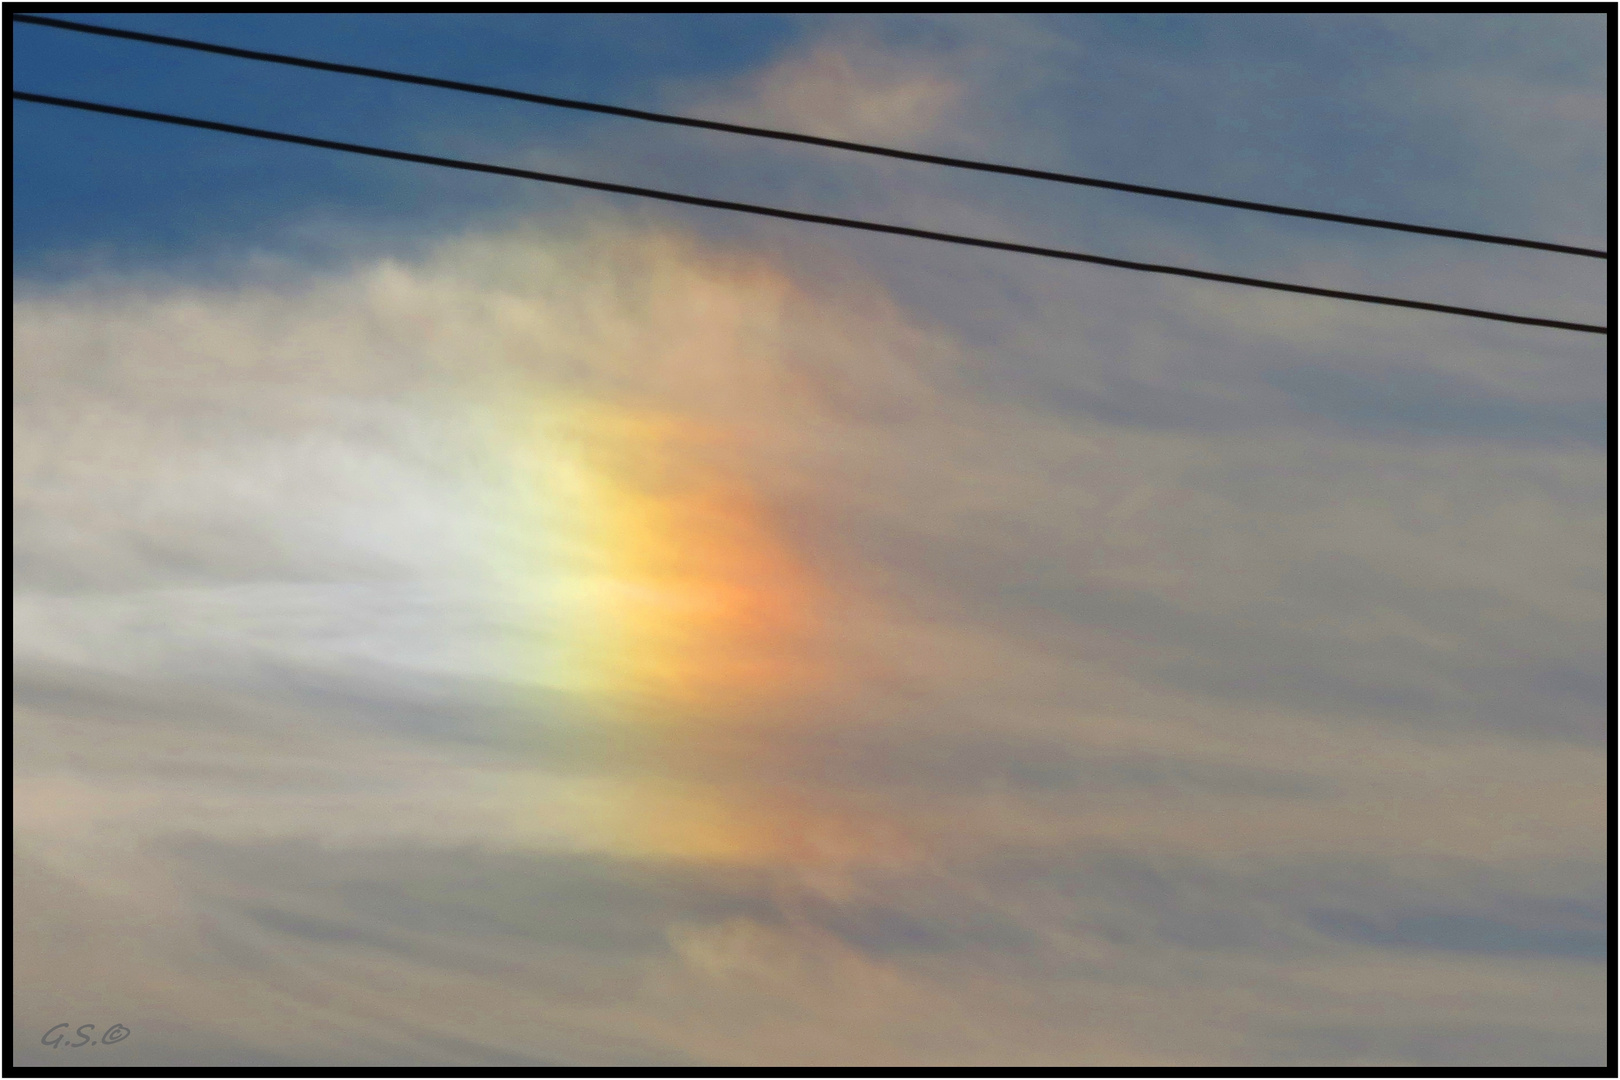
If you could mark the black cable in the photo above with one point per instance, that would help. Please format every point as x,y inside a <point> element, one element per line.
<point>793,215</point>
<point>813,140</point>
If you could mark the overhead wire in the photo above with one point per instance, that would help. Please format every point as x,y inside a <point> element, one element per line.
<point>799,137</point>
<point>795,215</point>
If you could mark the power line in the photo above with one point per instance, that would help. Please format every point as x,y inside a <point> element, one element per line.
<point>794,215</point>
<point>813,140</point>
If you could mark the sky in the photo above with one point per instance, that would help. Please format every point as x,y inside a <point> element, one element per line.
<point>463,622</point>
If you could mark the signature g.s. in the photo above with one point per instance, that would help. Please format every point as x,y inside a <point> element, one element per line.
<point>57,1036</point>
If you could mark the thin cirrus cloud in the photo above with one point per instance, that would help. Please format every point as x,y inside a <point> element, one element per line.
<point>608,639</point>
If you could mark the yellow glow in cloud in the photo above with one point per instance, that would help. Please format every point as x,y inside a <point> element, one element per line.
<point>655,588</point>
<point>645,580</point>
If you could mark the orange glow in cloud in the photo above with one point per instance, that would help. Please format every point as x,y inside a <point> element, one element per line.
<point>652,585</point>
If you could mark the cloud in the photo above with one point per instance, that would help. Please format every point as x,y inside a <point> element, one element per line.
<point>852,89</point>
<point>1081,652</point>
<point>260,585</point>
